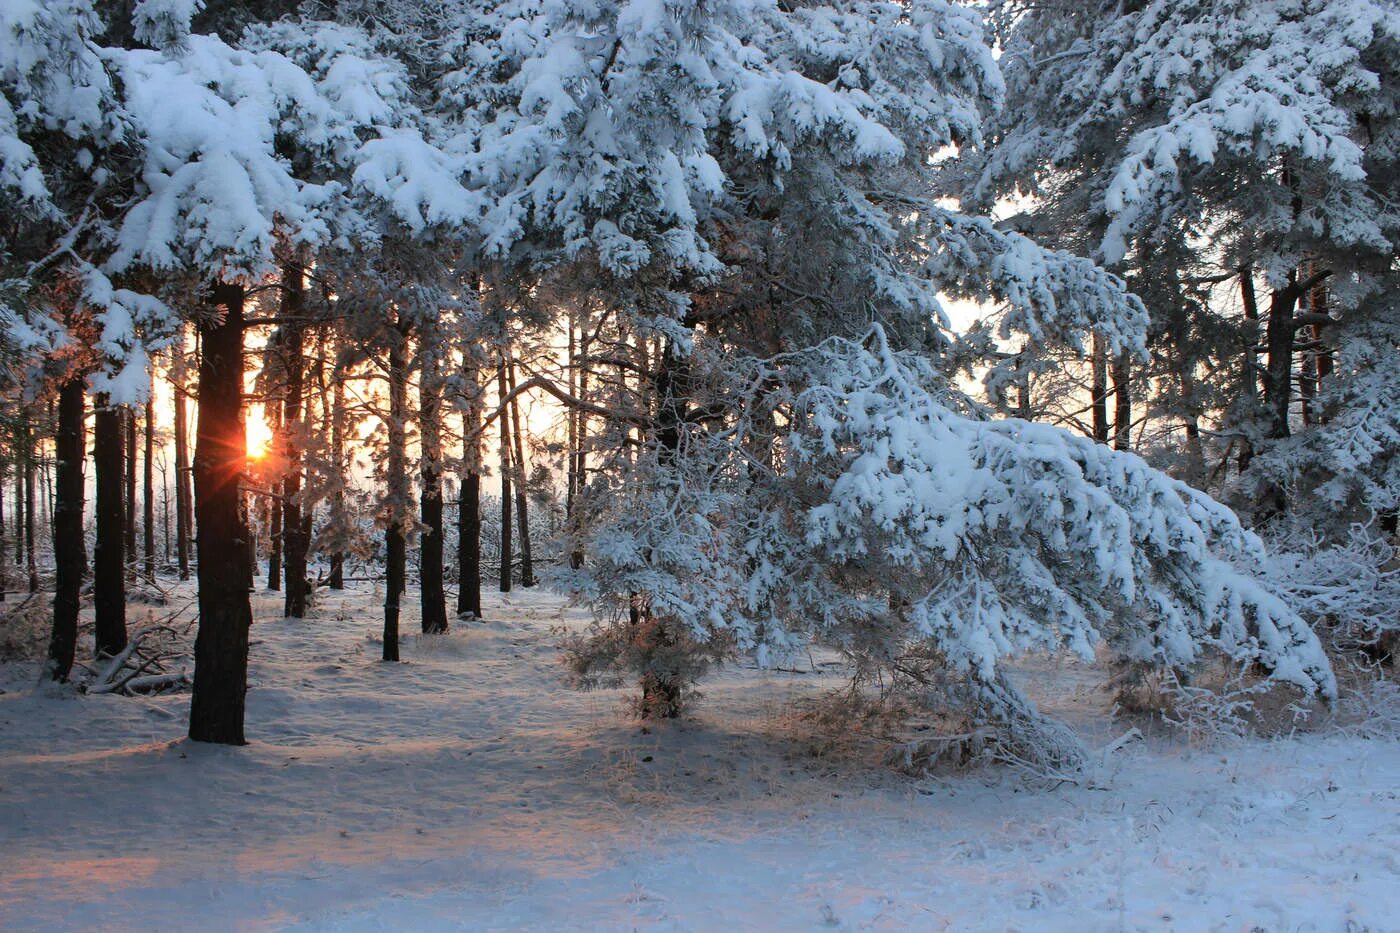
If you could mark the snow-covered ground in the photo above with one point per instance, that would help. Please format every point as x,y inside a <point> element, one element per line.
<point>466,787</point>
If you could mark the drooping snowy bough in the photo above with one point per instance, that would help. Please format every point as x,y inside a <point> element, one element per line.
<point>853,505</point>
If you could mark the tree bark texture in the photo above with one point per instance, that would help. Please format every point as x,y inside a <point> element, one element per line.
<point>67,528</point>
<point>108,558</point>
<point>225,615</point>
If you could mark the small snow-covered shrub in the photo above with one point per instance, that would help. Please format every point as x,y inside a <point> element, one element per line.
<point>1371,710</point>
<point>668,660</point>
<point>1348,590</point>
<point>1209,714</point>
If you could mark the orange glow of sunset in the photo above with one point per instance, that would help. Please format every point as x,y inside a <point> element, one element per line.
<point>258,434</point>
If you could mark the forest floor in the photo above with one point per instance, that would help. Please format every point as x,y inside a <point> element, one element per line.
<point>467,787</point>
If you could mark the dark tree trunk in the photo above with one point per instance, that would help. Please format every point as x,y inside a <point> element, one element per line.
<point>1322,353</point>
<point>1099,391</point>
<point>506,543</point>
<point>273,406</point>
<point>45,466</point>
<point>469,546</point>
<point>571,373</point>
<point>183,517</point>
<point>67,528</point>
<point>165,510</point>
<point>1122,405</point>
<point>1251,356</point>
<point>1278,378</point>
<point>575,440</point>
<point>19,501</point>
<point>108,560</point>
<point>397,505</point>
<point>522,507</point>
<point>148,501</point>
<point>469,501</point>
<point>336,579</point>
<point>662,686</point>
<point>1316,363</point>
<point>294,536</point>
<point>431,594</point>
<point>4,569</point>
<point>31,558</point>
<point>225,615</point>
<point>129,423</point>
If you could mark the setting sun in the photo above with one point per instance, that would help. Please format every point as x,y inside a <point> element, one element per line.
<point>258,434</point>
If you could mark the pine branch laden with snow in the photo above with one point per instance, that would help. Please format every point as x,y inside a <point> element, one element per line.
<point>894,522</point>
<point>212,156</point>
<point>1045,296</point>
<point>51,81</point>
<point>621,130</point>
<point>1197,91</point>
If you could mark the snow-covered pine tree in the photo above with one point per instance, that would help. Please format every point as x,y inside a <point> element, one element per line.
<point>1198,141</point>
<point>728,531</point>
<point>241,151</point>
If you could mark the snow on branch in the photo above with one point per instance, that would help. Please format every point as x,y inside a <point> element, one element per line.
<point>879,520</point>
<point>1011,535</point>
<point>1049,295</point>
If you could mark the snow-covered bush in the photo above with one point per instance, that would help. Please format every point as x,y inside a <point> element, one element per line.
<point>1372,710</point>
<point>1349,590</point>
<point>879,520</point>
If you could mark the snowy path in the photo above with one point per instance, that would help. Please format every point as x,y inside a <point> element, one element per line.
<point>468,788</point>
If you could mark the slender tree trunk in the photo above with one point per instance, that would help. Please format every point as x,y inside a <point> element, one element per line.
<point>148,501</point>
<point>571,486</point>
<point>431,594</point>
<point>182,460</point>
<point>469,498</point>
<point>1307,387</point>
<point>4,569</point>
<point>108,560</point>
<point>580,447</point>
<point>129,424</point>
<point>469,546</point>
<point>662,685</point>
<point>273,412</point>
<point>322,419</point>
<point>225,615</point>
<point>504,428</point>
<point>294,536</point>
<point>165,509</point>
<point>67,529</point>
<point>19,499</point>
<point>1122,405</point>
<point>250,528</point>
<point>1278,378</point>
<point>397,511</point>
<point>46,495</point>
<point>31,557</point>
<point>1099,398</point>
<point>1251,356</point>
<point>522,508</point>
<point>1323,352</point>
<point>336,578</point>
<point>571,372</point>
